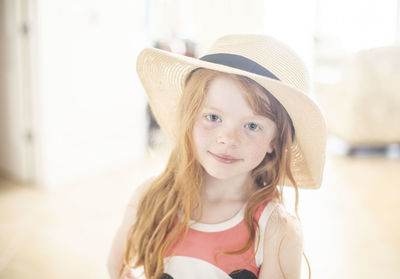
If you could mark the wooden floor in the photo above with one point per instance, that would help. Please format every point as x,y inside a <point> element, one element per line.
<point>351,225</point>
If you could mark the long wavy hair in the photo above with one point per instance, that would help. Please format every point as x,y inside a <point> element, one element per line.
<point>177,189</point>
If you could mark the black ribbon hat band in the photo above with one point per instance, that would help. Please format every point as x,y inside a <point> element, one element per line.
<point>239,62</point>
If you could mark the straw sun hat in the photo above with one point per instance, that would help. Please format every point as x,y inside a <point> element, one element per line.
<point>261,58</point>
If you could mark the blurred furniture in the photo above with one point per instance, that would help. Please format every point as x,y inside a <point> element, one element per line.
<point>363,106</point>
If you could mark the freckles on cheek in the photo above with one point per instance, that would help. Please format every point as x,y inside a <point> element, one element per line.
<point>200,133</point>
<point>259,149</point>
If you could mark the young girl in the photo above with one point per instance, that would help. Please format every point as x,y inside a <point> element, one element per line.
<point>242,127</point>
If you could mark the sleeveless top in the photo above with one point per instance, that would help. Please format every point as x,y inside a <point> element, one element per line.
<point>197,255</point>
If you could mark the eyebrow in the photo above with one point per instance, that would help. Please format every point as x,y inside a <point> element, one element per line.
<point>213,108</point>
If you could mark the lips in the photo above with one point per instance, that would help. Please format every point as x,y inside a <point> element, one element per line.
<point>224,158</point>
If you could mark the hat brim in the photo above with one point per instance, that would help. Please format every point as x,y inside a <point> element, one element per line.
<point>163,74</point>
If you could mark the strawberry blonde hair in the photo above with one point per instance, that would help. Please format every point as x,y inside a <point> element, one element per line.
<point>177,188</point>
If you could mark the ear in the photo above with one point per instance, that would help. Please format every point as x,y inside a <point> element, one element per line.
<point>269,149</point>
<point>272,141</point>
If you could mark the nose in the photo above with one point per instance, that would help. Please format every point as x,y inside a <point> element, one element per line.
<point>229,137</point>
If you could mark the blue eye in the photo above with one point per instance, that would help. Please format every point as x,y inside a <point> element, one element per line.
<point>253,126</point>
<point>213,118</point>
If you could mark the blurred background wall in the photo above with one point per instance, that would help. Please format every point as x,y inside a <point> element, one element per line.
<point>71,102</point>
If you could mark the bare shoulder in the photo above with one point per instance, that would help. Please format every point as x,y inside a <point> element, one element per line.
<point>283,222</point>
<point>139,191</point>
<point>282,246</point>
<point>119,242</point>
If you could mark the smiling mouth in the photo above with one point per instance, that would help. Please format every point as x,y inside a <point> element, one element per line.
<point>224,158</point>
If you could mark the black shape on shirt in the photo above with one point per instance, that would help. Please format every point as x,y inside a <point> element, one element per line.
<point>242,274</point>
<point>166,276</point>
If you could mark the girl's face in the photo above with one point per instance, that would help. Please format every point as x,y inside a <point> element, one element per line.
<point>230,140</point>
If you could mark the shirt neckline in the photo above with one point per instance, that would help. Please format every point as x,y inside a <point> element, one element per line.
<point>216,227</point>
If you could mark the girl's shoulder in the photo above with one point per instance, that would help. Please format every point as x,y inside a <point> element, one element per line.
<point>278,220</point>
<point>282,236</point>
<point>118,244</point>
<point>139,191</point>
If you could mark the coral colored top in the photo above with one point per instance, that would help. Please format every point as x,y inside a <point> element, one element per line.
<point>197,257</point>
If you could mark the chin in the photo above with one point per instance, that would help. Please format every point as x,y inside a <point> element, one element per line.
<point>222,175</point>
